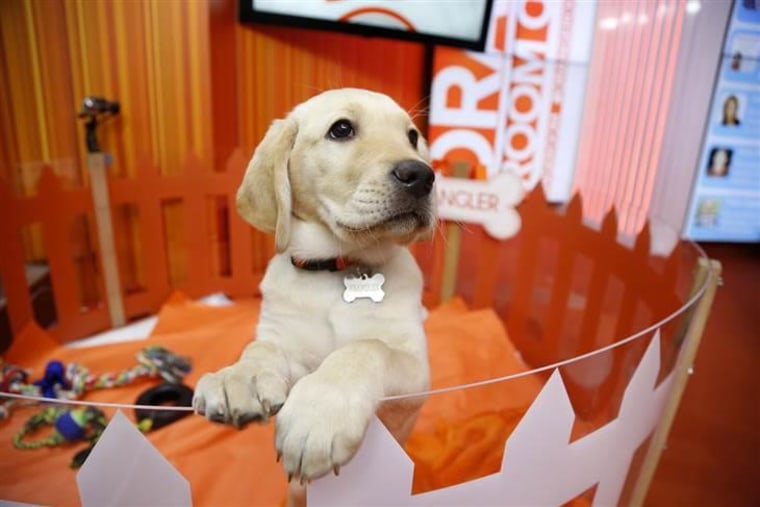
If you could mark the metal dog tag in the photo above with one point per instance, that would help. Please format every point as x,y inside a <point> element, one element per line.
<point>364,286</point>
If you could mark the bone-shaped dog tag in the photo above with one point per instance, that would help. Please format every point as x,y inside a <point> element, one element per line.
<point>364,286</point>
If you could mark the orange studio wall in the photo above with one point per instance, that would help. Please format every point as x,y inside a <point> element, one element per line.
<point>191,80</point>
<point>181,70</point>
<point>280,67</point>
<point>150,56</point>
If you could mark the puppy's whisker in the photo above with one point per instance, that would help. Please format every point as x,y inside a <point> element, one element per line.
<point>439,231</point>
<point>465,227</point>
<point>419,115</point>
<point>415,107</point>
<point>419,112</point>
<point>444,236</point>
<point>422,110</point>
<point>372,235</point>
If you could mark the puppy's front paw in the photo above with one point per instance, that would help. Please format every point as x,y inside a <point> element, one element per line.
<point>239,395</point>
<point>320,427</point>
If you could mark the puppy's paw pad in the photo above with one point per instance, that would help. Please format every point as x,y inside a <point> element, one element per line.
<point>235,395</point>
<point>319,429</point>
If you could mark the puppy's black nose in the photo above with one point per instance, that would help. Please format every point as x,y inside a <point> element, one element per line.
<point>416,177</point>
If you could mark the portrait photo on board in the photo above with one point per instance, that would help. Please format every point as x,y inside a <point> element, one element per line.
<point>719,162</point>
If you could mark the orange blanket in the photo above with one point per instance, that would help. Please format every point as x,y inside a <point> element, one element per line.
<point>459,435</point>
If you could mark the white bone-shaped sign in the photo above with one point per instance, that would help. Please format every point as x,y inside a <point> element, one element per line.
<point>488,203</point>
<point>364,286</point>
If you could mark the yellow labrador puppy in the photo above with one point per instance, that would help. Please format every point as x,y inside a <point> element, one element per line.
<point>344,184</point>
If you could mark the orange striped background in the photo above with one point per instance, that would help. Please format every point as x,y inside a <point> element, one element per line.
<point>280,67</point>
<point>190,79</point>
<point>151,56</point>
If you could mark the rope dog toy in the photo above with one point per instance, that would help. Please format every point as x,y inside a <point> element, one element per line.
<point>69,426</point>
<point>13,379</point>
<point>155,361</point>
<point>72,382</point>
<point>88,424</point>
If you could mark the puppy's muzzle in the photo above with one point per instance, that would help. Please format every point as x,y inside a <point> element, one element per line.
<point>414,177</point>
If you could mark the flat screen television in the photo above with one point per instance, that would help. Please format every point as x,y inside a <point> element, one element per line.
<point>460,23</point>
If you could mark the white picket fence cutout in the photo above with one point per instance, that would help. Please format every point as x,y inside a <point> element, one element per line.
<point>540,465</point>
<point>125,469</point>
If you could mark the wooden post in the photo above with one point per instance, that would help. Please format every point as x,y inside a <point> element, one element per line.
<point>96,163</point>
<point>707,270</point>
<point>12,264</point>
<point>453,245</point>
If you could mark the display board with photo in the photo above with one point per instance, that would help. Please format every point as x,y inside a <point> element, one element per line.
<point>726,198</point>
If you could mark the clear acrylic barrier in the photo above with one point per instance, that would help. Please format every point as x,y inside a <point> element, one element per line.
<point>569,371</point>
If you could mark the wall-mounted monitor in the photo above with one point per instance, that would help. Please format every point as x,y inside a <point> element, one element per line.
<point>460,23</point>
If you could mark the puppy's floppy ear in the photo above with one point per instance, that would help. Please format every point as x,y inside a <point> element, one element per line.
<point>264,198</point>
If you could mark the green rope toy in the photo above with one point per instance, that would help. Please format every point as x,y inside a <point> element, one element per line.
<point>69,426</point>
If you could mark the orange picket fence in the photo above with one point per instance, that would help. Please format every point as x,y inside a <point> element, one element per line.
<point>234,267</point>
<point>223,253</point>
<point>561,289</point>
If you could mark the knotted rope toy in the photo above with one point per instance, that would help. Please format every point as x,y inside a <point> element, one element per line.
<point>11,375</point>
<point>13,379</point>
<point>69,426</point>
<point>75,380</point>
<point>72,382</point>
<point>155,361</point>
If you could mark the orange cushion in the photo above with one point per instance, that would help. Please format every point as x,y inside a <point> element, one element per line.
<point>458,435</point>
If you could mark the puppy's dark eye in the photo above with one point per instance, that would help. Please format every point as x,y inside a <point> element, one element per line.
<point>414,136</point>
<point>341,129</point>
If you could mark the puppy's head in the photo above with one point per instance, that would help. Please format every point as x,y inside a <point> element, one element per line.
<point>349,159</point>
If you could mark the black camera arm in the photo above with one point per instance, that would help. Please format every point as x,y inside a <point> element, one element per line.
<point>91,138</point>
<point>95,109</point>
